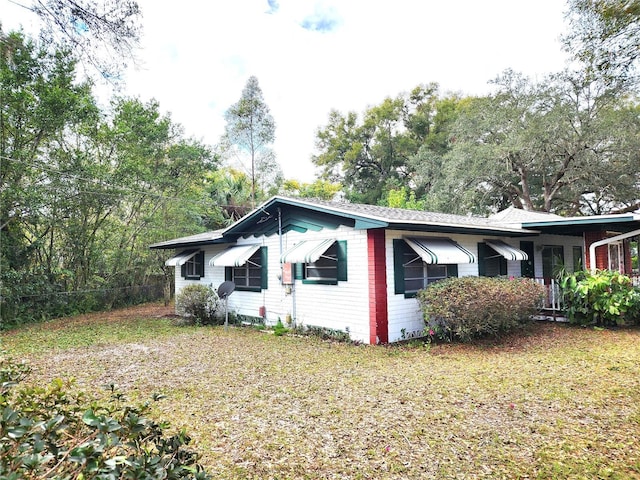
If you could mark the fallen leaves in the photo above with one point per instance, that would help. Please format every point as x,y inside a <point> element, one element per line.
<point>553,402</point>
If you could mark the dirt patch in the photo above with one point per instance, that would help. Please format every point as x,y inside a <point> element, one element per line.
<point>147,310</point>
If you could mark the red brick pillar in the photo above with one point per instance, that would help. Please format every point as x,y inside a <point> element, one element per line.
<point>378,310</point>
<point>627,256</point>
<point>602,252</point>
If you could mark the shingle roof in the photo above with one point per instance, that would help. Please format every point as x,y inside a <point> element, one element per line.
<point>513,215</point>
<point>401,215</point>
<point>206,237</point>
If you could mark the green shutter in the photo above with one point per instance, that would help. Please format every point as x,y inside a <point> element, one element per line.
<point>482,259</point>
<point>399,246</point>
<point>200,264</point>
<point>264,271</point>
<point>342,260</point>
<point>298,272</point>
<point>452,270</point>
<point>183,270</point>
<point>228,274</point>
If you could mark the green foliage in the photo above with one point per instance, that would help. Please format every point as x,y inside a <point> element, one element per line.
<point>320,189</point>
<point>469,307</point>
<point>402,198</point>
<point>251,130</point>
<point>200,304</point>
<point>84,191</point>
<point>57,432</point>
<point>538,145</point>
<point>604,35</point>
<point>279,329</point>
<point>397,142</point>
<point>324,333</point>
<point>604,298</point>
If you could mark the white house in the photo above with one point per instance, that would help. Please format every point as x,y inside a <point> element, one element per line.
<point>356,268</point>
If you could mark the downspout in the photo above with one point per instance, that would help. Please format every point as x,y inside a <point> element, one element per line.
<point>293,286</point>
<point>606,241</point>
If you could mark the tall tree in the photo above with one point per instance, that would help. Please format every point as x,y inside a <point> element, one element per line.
<point>39,99</point>
<point>605,36</point>
<point>388,148</point>
<point>83,192</point>
<point>557,145</point>
<point>251,129</point>
<point>367,157</point>
<point>102,33</point>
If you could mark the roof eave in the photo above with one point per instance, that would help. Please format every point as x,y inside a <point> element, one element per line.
<point>464,229</point>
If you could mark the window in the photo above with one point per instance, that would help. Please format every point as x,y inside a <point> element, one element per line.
<point>490,262</point>
<point>329,269</point>
<point>325,268</point>
<point>193,267</point>
<point>413,274</point>
<point>252,274</point>
<point>616,257</point>
<point>578,263</point>
<point>552,261</point>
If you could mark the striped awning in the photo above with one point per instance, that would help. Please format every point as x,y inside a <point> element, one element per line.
<point>234,256</point>
<point>181,258</point>
<point>507,251</point>
<point>440,250</point>
<point>308,251</point>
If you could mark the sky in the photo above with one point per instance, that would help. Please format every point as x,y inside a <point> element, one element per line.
<point>312,56</point>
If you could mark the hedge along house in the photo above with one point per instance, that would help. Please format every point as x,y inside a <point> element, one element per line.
<point>357,268</point>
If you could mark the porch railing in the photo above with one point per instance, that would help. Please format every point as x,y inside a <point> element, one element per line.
<point>553,295</point>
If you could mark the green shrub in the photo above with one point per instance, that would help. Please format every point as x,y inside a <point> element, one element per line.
<point>469,307</point>
<point>56,432</point>
<point>200,304</point>
<point>279,329</point>
<point>602,298</point>
<point>324,333</point>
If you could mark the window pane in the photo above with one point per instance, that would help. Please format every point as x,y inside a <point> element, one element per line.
<point>191,268</point>
<point>249,274</point>
<point>436,271</point>
<point>413,285</point>
<point>326,267</point>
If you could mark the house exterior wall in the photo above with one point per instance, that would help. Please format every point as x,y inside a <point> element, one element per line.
<point>343,307</point>
<point>405,316</point>
<point>348,305</point>
<point>567,242</point>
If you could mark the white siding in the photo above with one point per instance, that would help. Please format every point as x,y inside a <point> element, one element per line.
<point>341,307</point>
<point>568,242</point>
<point>405,316</point>
<point>345,306</point>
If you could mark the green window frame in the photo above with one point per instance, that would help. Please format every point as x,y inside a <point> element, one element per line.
<point>193,269</point>
<point>329,269</point>
<point>412,274</point>
<point>253,275</point>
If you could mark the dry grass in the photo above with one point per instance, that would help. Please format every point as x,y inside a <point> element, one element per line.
<point>555,402</point>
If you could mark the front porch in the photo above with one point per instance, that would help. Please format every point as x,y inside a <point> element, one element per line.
<point>552,307</point>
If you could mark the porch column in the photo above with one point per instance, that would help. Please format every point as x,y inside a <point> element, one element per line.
<point>602,253</point>
<point>377,265</point>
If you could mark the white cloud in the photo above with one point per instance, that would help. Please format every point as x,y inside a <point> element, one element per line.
<point>198,56</point>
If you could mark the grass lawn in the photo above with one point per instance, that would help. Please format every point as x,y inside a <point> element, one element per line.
<point>554,402</point>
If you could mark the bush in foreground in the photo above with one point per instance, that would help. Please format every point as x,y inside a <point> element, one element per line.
<point>53,432</point>
<point>604,298</point>
<point>469,307</point>
<point>200,304</point>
